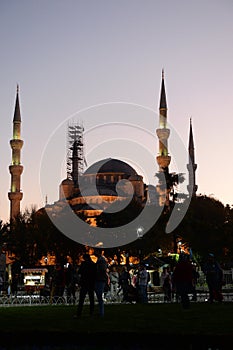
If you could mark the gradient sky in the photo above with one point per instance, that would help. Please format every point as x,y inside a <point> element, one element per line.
<point>68,56</point>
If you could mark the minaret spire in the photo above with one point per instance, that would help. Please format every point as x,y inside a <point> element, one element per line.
<point>17,115</point>
<point>15,195</point>
<point>191,166</point>
<point>163,101</point>
<point>163,132</point>
<point>163,159</point>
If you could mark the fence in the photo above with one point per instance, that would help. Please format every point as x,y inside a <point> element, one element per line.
<point>22,299</point>
<point>227,279</point>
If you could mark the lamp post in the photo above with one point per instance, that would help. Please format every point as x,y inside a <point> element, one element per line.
<point>140,231</point>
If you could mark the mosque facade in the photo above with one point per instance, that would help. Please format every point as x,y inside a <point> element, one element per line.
<point>94,190</point>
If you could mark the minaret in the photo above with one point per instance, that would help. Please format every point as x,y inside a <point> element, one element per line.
<point>163,159</point>
<point>15,195</point>
<point>191,166</point>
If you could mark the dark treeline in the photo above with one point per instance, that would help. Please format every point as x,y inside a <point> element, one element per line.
<point>206,227</point>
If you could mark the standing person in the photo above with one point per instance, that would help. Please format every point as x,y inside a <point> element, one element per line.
<point>58,281</point>
<point>114,282</point>
<point>87,275</point>
<point>183,277</point>
<point>1,284</point>
<point>101,279</point>
<point>196,275</point>
<point>14,284</point>
<point>214,278</point>
<point>124,282</point>
<point>166,283</point>
<point>70,282</point>
<point>143,279</point>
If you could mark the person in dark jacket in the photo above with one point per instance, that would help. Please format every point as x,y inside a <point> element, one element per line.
<point>214,278</point>
<point>183,277</point>
<point>87,275</point>
<point>101,279</point>
<point>124,282</point>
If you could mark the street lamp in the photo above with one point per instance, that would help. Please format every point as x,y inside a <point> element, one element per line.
<point>140,231</point>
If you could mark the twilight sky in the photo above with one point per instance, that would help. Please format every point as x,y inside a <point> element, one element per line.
<point>99,63</point>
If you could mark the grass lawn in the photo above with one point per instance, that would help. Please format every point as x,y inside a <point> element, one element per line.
<point>207,325</point>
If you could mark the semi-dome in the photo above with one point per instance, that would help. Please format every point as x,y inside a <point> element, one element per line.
<point>110,165</point>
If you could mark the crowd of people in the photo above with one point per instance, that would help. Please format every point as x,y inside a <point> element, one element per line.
<point>126,284</point>
<point>133,284</point>
<point>101,280</point>
<point>180,282</point>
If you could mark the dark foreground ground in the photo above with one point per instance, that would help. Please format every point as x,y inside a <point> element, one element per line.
<point>125,326</point>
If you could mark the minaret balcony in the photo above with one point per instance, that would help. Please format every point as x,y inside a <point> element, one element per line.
<point>15,196</point>
<point>163,161</point>
<point>16,144</point>
<point>16,169</point>
<point>163,134</point>
<point>191,167</point>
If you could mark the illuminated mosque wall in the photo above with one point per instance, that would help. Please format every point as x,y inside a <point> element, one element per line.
<point>101,184</point>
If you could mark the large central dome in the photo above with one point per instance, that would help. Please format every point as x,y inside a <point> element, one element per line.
<point>110,165</point>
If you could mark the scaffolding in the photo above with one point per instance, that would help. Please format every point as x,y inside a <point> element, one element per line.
<point>75,133</point>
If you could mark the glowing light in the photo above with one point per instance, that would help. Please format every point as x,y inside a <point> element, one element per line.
<point>140,230</point>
